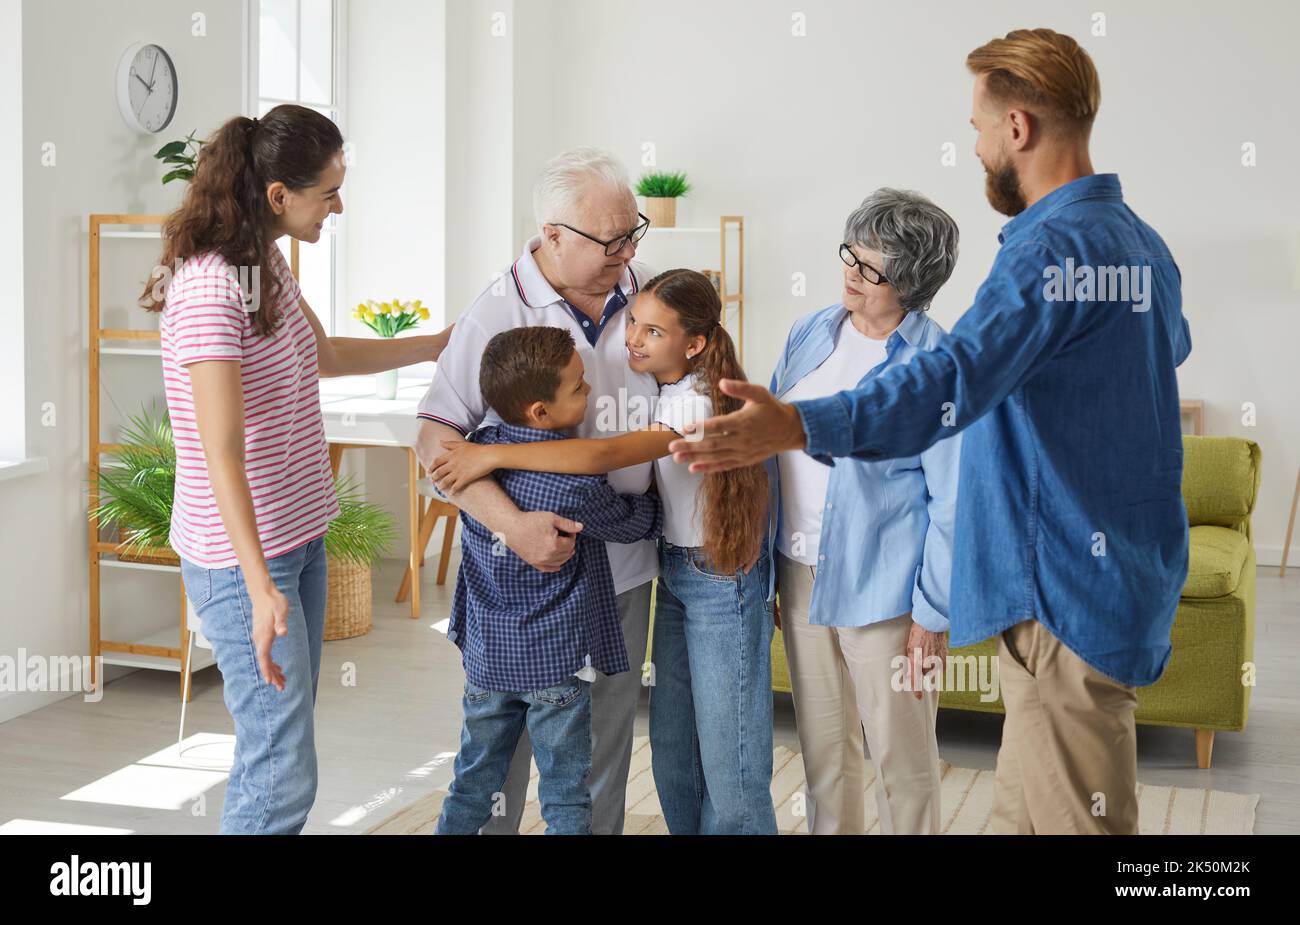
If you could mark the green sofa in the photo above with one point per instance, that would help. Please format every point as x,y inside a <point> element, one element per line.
<point>1204,685</point>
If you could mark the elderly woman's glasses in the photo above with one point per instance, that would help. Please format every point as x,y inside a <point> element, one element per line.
<point>614,245</point>
<point>868,272</point>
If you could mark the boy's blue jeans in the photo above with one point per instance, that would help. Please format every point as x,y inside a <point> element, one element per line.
<point>711,703</point>
<point>272,782</point>
<point>559,726</point>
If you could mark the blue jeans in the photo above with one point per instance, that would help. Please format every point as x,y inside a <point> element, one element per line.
<point>272,782</point>
<point>711,700</point>
<point>559,727</point>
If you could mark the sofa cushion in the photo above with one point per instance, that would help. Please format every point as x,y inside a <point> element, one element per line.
<point>1220,479</point>
<point>1214,562</point>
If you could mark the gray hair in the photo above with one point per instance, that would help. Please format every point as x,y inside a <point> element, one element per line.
<point>916,238</point>
<point>566,176</point>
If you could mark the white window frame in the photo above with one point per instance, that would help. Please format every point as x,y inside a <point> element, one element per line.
<point>334,316</point>
<point>14,461</point>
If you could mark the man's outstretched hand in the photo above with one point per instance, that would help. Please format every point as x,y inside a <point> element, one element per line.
<point>762,428</point>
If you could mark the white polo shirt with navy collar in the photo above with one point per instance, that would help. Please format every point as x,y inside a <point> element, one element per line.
<point>620,401</point>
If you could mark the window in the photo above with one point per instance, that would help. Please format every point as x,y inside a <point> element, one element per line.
<point>13,366</point>
<point>297,58</point>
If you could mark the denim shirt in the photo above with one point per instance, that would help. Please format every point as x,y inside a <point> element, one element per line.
<point>1071,509</point>
<point>887,526</point>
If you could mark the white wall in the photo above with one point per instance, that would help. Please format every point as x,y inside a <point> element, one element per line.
<point>794,131</point>
<point>70,55</point>
<point>480,105</point>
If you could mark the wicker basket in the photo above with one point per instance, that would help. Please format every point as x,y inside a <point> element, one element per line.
<point>662,211</point>
<point>348,608</point>
<point>165,557</point>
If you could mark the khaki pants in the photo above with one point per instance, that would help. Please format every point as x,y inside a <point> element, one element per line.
<point>841,678</point>
<point>1068,762</point>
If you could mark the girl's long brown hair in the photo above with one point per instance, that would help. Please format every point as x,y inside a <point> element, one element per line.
<point>735,502</point>
<point>225,208</point>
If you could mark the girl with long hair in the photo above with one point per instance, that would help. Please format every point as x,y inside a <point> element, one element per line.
<point>242,353</point>
<point>711,699</point>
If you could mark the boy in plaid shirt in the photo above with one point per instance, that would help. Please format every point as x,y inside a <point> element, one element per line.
<point>532,641</point>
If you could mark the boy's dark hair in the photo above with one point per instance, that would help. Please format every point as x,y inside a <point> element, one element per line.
<point>522,366</point>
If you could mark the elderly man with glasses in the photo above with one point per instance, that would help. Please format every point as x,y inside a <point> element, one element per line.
<point>578,273</point>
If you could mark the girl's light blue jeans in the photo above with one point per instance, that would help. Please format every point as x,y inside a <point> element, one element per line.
<point>711,699</point>
<point>272,782</point>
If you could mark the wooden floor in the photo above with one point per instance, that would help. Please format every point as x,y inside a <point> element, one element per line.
<point>388,722</point>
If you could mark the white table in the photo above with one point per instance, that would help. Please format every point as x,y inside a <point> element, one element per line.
<point>356,417</point>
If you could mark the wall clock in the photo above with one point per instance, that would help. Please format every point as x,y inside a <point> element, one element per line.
<point>146,88</point>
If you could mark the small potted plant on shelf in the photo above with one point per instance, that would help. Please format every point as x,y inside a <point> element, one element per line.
<point>136,489</point>
<point>182,157</point>
<point>661,191</point>
<point>388,319</point>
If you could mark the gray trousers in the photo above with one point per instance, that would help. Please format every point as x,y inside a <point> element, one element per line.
<point>613,712</point>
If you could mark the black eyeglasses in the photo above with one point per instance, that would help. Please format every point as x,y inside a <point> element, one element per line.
<point>615,245</point>
<point>868,272</point>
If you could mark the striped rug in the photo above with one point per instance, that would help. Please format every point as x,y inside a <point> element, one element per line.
<point>966,802</point>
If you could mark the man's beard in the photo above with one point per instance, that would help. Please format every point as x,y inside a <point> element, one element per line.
<point>1002,186</point>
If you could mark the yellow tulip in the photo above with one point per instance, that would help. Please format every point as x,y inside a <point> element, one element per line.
<point>424,313</point>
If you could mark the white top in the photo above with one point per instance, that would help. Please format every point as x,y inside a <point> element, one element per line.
<point>803,479</point>
<point>680,490</point>
<point>621,400</point>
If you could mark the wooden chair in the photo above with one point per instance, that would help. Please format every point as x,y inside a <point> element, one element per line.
<point>435,509</point>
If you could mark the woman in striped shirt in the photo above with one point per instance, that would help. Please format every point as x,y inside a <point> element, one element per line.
<point>242,355</point>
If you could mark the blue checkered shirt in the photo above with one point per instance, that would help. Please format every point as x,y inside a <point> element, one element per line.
<point>519,629</point>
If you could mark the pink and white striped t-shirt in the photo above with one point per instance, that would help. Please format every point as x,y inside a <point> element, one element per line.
<point>286,456</point>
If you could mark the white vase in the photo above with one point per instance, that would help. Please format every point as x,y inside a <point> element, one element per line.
<point>386,384</point>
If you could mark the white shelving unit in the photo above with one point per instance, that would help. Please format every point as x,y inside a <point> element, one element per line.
<point>730,228</point>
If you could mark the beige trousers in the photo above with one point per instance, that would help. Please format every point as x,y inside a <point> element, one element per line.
<point>841,678</point>
<point>1068,762</point>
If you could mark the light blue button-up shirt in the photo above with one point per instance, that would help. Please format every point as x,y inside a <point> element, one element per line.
<point>887,527</point>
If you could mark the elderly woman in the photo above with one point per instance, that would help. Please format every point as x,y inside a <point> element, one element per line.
<point>864,549</point>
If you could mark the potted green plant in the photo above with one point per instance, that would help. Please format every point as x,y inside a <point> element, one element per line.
<point>388,319</point>
<point>136,489</point>
<point>182,156</point>
<point>354,542</point>
<point>661,191</point>
<point>136,486</point>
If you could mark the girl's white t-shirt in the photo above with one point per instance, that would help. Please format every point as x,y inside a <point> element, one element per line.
<point>803,479</point>
<point>680,490</point>
<point>286,458</point>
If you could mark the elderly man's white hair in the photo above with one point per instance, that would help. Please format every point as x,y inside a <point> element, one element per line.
<point>566,176</point>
